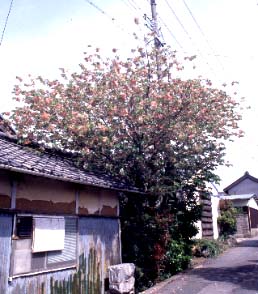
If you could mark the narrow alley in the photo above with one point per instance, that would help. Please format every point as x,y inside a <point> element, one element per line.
<point>233,272</point>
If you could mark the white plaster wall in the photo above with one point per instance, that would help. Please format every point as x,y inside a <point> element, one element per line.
<point>240,202</point>
<point>215,214</point>
<point>199,227</point>
<point>252,203</point>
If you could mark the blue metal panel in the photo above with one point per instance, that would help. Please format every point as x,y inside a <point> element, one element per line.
<point>99,247</point>
<point>59,282</point>
<point>5,250</point>
<point>69,252</point>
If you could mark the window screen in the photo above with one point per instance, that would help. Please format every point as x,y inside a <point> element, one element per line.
<point>69,252</point>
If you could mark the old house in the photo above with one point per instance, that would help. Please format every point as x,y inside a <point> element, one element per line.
<point>243,195</point>
<point>59,225</point>
<point>246,184</point>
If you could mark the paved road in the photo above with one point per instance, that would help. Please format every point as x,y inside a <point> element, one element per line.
<point>233,272</point>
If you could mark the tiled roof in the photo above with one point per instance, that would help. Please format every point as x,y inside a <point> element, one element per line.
<point>244,177</point>
<point>27,160</point>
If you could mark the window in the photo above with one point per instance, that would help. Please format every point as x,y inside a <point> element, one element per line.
<point>42,243</point>
<point>48,234</point>
<point>24,227</point>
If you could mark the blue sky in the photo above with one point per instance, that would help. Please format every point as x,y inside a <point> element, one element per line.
<point>42,36</point>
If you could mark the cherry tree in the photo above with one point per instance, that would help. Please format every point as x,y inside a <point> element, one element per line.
<point>138,120</point>
<point>130,117</point>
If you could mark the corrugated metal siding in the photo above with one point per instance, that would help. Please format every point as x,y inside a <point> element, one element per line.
<point>99,247</point>
<point>49,283</point>
<point>5,250</point>
<point>69,252</point>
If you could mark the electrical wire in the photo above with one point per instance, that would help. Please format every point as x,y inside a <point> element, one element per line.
<point>135,8</point>
<point>132,4</point>
<point>99,9</point>
<point>6,21</point>
<point>136,5</point>
<point>107,15</point>
<point>169,30</point>
<point>129,5</point>
<point>189,36</point>
<point>202,33</point>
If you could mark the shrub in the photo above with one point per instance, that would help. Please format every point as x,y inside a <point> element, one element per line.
<point>206,248</point>
<point>178,257</point>
<point>227,219</point>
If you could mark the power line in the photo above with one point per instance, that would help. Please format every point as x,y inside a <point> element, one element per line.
<point>114,21</point>
<point>179,44</point>
<point>100,9</point>
<point>136,5</point>
<point>189,36</point>
<point>201,31</point>
<point>6,21</point>
<point>197,24</point>
<point>107,15</point>
<point>169,30</point>
<point>179,21</point>
<point>133,7</point>
<point>128,4</point>
<point>133,4</point>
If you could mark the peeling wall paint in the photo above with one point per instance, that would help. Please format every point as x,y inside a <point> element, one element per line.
<point>41,195</point>
<point>5,201</point>
<point>96,201</point>
<point>41,206</point>
<point>89,200</point>
<point>49,196</point>
<point>98,243</point>
<point>109,203</point>
<point>5,183</point>
<point>5,190</point>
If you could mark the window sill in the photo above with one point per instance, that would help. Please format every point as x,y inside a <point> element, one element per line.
<point>41,272</point>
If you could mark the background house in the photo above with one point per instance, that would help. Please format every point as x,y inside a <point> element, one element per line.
<point>247,213</point>
<point>246,184</point>
<point>59,225</point>
<point>243,194</point>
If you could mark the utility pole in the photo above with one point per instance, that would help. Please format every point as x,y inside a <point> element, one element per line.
<point>154,22</point>
<point>155,30</point>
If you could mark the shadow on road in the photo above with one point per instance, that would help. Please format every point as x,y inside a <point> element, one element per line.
<point>243,276</point>
<point>248,243</point>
